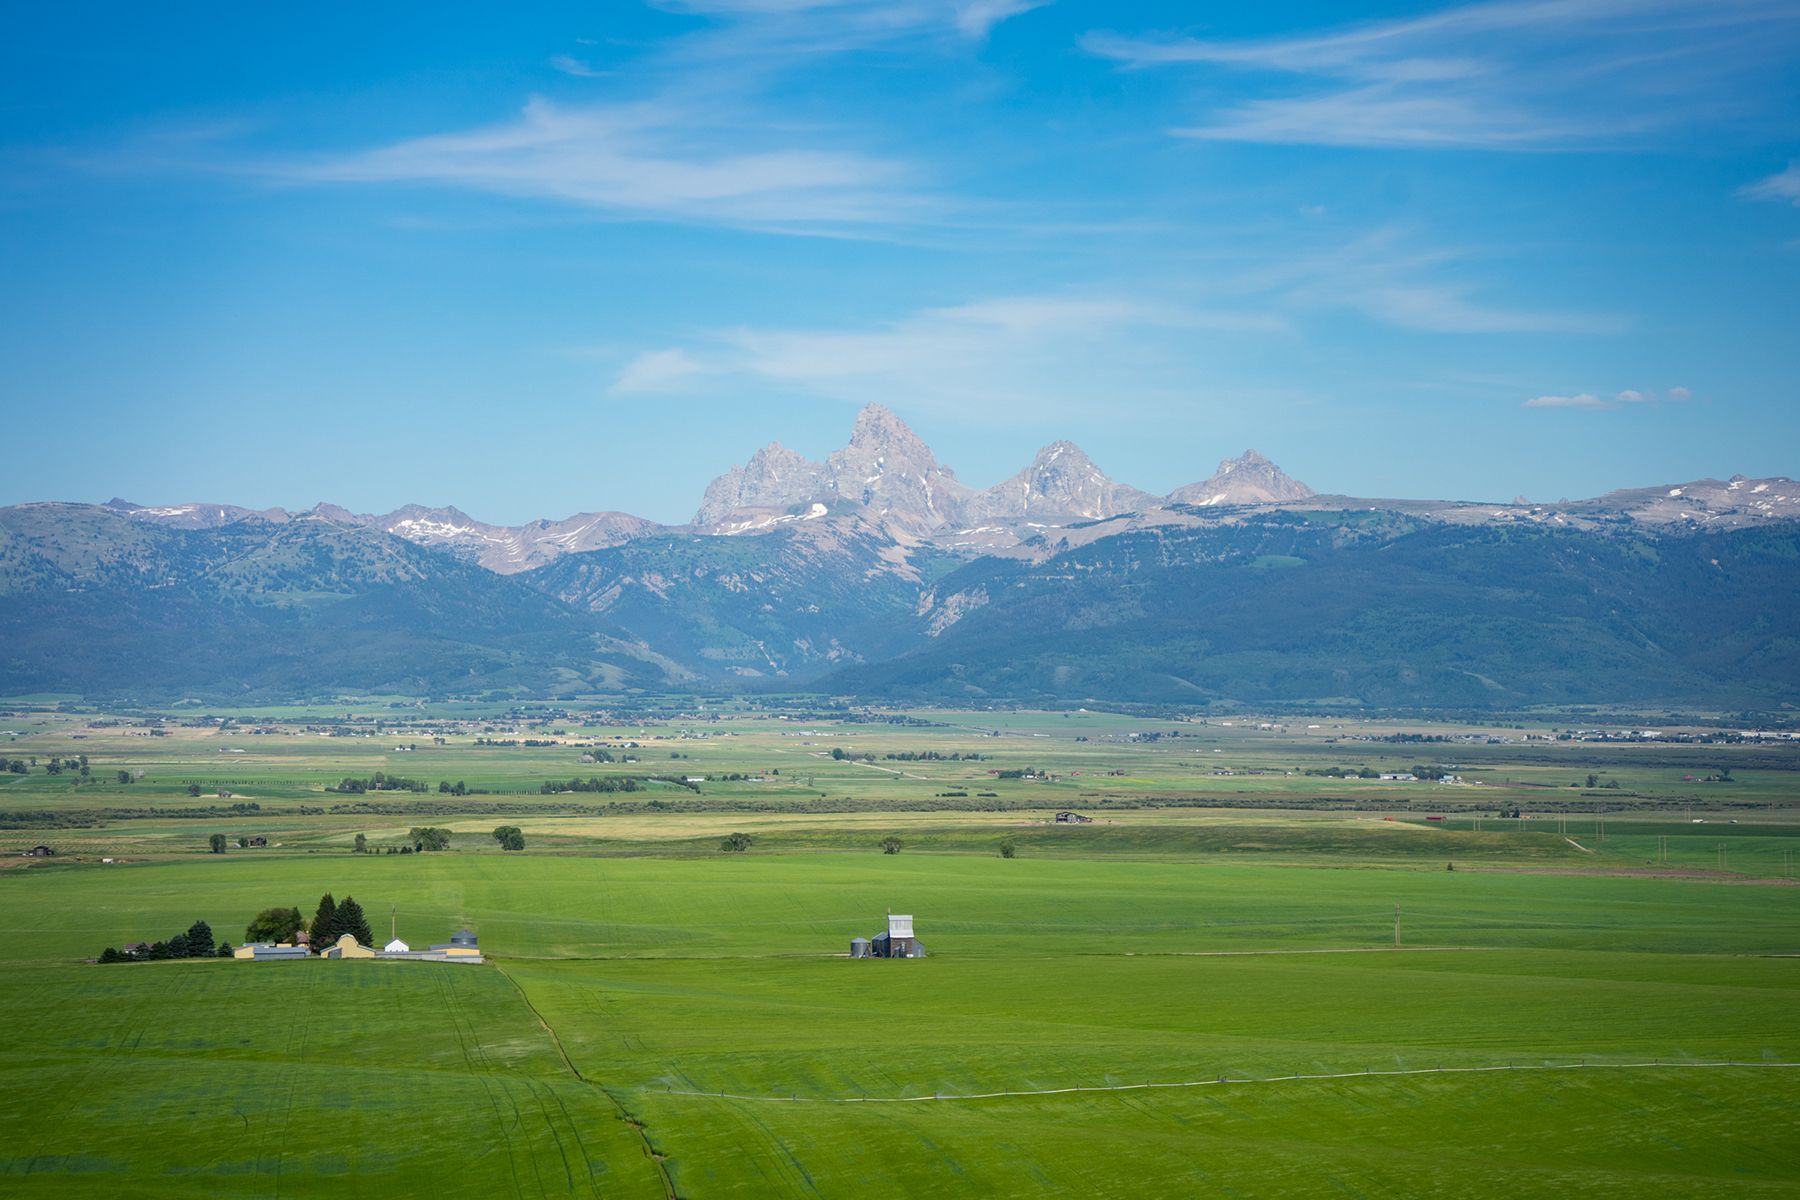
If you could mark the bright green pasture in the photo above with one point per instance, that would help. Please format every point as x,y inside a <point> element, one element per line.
<point>239,1079</point>
<point>812,904</point>
<point>618,982</point>
<point>1625,1135</point>
<point>973,1026</point>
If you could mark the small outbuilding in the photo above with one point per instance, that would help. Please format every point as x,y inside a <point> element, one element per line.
<point>859,947</point>
<point>462,944</point>
<point>1073,818</point>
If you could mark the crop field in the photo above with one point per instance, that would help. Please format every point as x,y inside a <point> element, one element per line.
<point>1223,985</point>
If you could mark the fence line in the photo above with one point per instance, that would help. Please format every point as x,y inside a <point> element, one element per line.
<point>1225,1080</point>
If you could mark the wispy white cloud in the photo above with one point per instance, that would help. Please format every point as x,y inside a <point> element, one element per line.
<point>702,138</point>
<point>978,17</point>
<point>1516,74</point>
<point>1783,186</point>
<point>1385,277</point>
<point>658,159</point>
<point>568,64</point>
<point>1589,401</point>
<point>1002,353</point>
<point>838,26</point>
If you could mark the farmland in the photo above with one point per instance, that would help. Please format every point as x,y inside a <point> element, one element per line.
<point>660,1017</point>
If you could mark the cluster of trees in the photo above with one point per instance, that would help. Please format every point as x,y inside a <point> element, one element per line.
<point>274,925</point>
<point>842,755</point>
<point>428,837</point>
<point>17,766</point>
<point>1020,773</point>
<point>1008,849</point>
<point>56,766</point>
<point>937,756</point>
<point>613,783</point>
<point>891,845</point>
<point>380,782</point>
<point>446,788</point>
<point>333,920</point>
<point>196,942</point>
<point>735,843</point>
<point>510,837</point>
<point>529,743</point>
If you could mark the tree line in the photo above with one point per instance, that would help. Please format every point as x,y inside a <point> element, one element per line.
<point>195,942</point>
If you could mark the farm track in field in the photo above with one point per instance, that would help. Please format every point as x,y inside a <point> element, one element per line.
<point>637,1126</point>
<point>1224,1081</point>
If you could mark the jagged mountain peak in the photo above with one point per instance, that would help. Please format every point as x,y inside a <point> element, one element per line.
<point>1249,458</point>
<point>1061,482</point>
<point>885,466</point>
<point>1250,478</point>
<point>879,427</point>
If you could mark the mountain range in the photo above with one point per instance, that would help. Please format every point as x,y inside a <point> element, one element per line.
<point>878,572</point>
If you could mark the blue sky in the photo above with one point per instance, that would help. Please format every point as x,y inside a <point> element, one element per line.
<point>589,256</point>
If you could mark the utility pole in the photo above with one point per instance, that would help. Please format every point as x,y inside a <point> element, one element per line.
<point>1396,924</point>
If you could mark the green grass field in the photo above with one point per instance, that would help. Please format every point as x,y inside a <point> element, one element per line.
<point>659,1018</point>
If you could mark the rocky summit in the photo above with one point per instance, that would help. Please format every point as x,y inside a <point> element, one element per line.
<point>1249,478</point>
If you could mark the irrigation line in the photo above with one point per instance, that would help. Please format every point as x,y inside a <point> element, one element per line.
<point>1223,1080</point>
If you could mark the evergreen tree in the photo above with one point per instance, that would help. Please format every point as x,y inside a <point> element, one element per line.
<point>350,919</point>
<point>324,925</point>
<point>200,940</point>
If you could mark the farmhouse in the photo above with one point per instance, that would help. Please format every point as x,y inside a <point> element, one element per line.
<point>1072,818</point>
